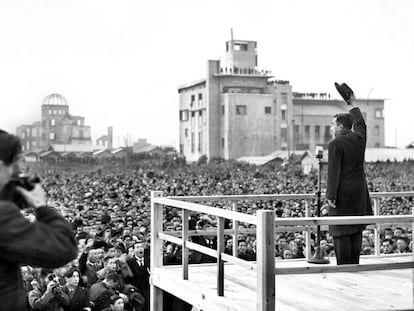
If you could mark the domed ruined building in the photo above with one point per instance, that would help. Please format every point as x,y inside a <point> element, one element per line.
<point>57,128</point>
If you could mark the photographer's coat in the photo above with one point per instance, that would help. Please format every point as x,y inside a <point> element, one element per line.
<point>47,242</point>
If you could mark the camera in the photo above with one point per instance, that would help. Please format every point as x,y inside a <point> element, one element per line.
<point>19,180</point>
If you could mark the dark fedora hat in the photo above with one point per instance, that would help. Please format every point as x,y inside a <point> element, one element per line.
<point>345,91</point>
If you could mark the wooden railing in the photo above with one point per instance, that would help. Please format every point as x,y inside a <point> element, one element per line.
<point>265,223</point>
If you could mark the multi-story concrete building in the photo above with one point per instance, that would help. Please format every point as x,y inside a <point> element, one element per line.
<point>57,128</point>
<point>239,111</point>
<point>313,114</point>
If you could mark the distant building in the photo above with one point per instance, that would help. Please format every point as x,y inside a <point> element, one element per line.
<point>57,128</point>
<point>106,141</point>
<point>239,111</point>
<point>313,114</point>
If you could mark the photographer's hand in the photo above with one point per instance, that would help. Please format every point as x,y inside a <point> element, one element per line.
<point>331,203</point>
<point>50,287</point>
<point>35,198</point>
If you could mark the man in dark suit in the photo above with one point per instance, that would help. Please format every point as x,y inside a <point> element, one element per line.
<point>47,242</point>
<point>347,190</point>
<point>139,266</point>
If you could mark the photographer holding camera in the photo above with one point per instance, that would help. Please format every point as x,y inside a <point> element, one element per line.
<point>47,242</point>
<point>47,294</point>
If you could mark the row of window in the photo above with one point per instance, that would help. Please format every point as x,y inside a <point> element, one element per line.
<point>184,114</point>
<point>193,99</point>
<point>54,112</point>
<point>193,143</point>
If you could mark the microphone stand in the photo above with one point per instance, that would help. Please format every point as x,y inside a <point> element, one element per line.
<point>319,257</point>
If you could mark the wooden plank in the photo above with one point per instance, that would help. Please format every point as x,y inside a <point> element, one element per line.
<point>238,261</point>
<point>220,262</point>
<point>253,197</point>
<point>344,268</point>
<point>202,249</point>
<point>205,209</point>
<point>170,238</point>
<point>376,228</point>
<point>236,231</point>
<point>185,237</point>
<point>265,261</point>
<point>270,197</point>
<point>352,220</point>
<point>201,291</point>
<point>156,295</point>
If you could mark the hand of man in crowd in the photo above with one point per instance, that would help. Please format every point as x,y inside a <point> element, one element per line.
<point>35,198</point>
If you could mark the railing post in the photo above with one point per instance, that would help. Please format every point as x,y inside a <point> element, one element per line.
<point>308,250</point>
<point>376,228</point>
<point>220,262</point>
<point>412,254</point>
<point>236,233</point>
<point>265,260</point>
<point>156,294</point>
<point>186,214</point>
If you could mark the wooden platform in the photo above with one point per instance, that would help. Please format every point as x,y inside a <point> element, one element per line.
<point>372,290</point>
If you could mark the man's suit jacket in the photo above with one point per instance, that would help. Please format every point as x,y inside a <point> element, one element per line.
<point>141,275</point>
<point>79,300</point>
<point>346,177</point>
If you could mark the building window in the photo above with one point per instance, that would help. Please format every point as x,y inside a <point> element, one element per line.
<point>328,134</point>
<point>284,98</point>
<point>307,132</point>
<point>192,142</point>
<point>222,110</point>
<point>185,132</point>
<point>200,99</point>
<point>241,110</point>
<point>192,100</point>
<point>79,122</point>
<point>376,130</point>
<point>23,135</point>
<point>54,111</point>
<point>379,113</point>
<point>268,110</point>
<point>52,122</point>
<point>283,115</point>
<point>317,132</point>
<point>222,143</point>
<point>49,111</point>
<point>296,133</point>
<point>181,148</point>
<point>34,143</point>
<point>184,115</point>
<point>51,136</point>
<point>200,141</point>
<point>192,114</point>
<point>283,135</point>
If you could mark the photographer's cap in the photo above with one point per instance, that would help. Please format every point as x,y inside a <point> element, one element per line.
<point>345,91</point>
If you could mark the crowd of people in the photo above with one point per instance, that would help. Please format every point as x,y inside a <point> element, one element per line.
<point>109,209</point>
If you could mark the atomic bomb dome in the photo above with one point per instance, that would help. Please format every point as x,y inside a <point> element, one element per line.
<point>55,99</point>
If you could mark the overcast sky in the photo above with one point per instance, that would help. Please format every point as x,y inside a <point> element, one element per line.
<point>119,63</point>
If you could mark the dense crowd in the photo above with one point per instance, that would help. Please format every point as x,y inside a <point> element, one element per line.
<point>109,209</point>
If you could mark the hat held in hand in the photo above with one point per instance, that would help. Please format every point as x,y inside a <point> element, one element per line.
<point>345,91</point>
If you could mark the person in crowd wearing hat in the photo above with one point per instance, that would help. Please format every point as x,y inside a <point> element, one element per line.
<point>23,241</point>
<point>347,191</point>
